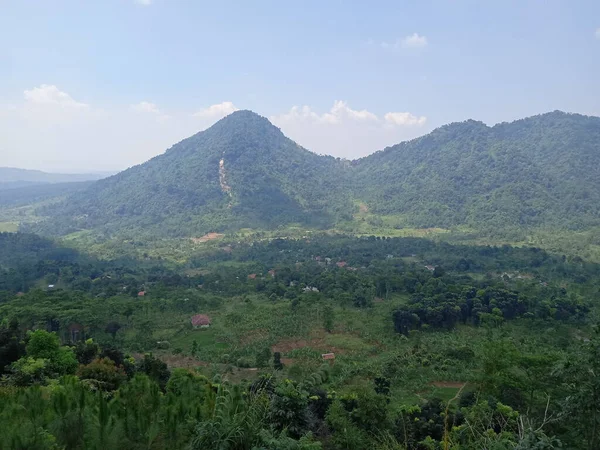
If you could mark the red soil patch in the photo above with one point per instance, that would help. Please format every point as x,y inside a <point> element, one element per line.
<point>207,237</point>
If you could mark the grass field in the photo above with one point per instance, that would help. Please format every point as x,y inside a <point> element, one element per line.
<point>9,227</point>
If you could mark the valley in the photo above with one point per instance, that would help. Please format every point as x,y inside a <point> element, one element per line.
<point>441,293</point>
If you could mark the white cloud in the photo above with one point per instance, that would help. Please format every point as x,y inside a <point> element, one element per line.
<point>144,2</point>
<point>414,41</point>
<point>146,107</point>
<point>345,132</point>
<point>597,33</point>
<point>50,95</point>
<point>216,111</point>
<point>404,119</point>
<point>149,108</point>
<point>50,130</point>
<point>337,114</point>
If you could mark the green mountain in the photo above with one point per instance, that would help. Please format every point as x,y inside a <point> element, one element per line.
<point>241,172</point>
<point>11,177</point>
<point>542,171</point>
<point>39,192</point>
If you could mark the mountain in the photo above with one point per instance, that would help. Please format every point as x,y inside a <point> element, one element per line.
<point>11,177</point>
<point>34,193</point>
<point>241,172</point>
<point>542,171</point>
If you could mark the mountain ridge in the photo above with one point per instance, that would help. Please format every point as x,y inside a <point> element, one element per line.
<point>13,177</point>
<point>243,172</point>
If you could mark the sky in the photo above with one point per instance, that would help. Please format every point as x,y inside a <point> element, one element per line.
<point>101,85</point>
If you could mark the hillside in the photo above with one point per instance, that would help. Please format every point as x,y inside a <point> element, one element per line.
<point>241,172</point>
<point>39,192</point>
<point>539,173</point>
<point>542,171</point>
<point>11,177</point>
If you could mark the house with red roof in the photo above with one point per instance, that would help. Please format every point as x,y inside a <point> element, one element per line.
<point>200,321</point>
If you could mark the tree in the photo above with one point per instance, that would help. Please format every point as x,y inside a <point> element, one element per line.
<point>277,364</point>
<point>289,409</point>
<point>582,379</point>
<point>103,374</point>
<point>263,357</point>
<point>11,348</point>
<point>86,351</point>
<point>45,345</point>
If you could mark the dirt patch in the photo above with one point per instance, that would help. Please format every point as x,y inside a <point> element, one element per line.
<point>207,237</point>
<point>363,208</point>
<point>253,336</point>
<point>448,384</point>
<point>316,342</point>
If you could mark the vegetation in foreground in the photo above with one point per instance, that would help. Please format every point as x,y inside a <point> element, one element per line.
<point>486,347</point>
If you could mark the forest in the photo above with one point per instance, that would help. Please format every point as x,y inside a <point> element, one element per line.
<point>513,180</point>
<point>327,341</point>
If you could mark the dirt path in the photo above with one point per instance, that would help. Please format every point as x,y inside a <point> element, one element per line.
<point>449,384</point>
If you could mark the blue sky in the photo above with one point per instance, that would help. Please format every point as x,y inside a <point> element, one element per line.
<point>101,85</point>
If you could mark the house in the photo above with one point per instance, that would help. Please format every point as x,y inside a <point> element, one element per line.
<point>328,356</point>
<point>141,293</point>
<point>341,263</point>
<point>272,273</point>
<point>200,321</point>
<point>310,289</point>
<point>252,276</point>
<point>50,286</point>
<point>430,268</point>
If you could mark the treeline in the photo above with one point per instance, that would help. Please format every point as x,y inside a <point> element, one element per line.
<point>438,306</point>
<point>82,396</point>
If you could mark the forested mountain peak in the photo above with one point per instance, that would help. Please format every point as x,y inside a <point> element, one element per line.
<point>241,172</point>
<point>538,171</point>
<point>238,130</point>
<point>542,171</point>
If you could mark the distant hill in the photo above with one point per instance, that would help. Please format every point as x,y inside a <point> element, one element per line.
<point>542,172</point>
<point>241,172</point>
<point>11,177</point>
<point>34,193</point>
